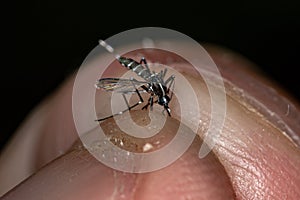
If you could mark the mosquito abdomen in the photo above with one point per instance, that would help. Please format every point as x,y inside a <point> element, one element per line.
<point>138,68</point>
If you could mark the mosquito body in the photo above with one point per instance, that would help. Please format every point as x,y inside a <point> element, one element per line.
<point>154,83</point>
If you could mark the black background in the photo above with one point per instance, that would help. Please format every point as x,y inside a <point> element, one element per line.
<point>48,39</point>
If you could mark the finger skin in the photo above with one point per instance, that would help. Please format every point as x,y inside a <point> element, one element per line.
<point>260,161</point>
<point>78,175</point>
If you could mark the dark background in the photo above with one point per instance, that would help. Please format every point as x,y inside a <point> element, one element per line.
<point>48,39</point>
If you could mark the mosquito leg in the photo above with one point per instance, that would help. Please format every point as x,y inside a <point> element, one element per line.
<point>137,91</point>
<point>145,88</point>
<point>164,72</point>
<point>119,113</point>
<point>171,79</point>
<point>125,99</point>
<point>173,82</point>
<point>150,102</point>
<point>146,106</point>
<point>143,60</point>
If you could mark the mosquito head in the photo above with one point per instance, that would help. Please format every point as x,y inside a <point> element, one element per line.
<point>164,101</point>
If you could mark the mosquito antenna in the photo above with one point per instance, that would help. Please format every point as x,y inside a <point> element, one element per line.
<point>109,48</point>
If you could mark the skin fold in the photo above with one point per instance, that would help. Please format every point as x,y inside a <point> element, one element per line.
<point>254,158</point>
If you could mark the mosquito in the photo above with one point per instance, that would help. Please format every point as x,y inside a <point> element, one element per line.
<point>153,83</point>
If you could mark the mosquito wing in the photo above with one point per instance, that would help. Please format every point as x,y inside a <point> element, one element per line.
<point>119,85</point>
